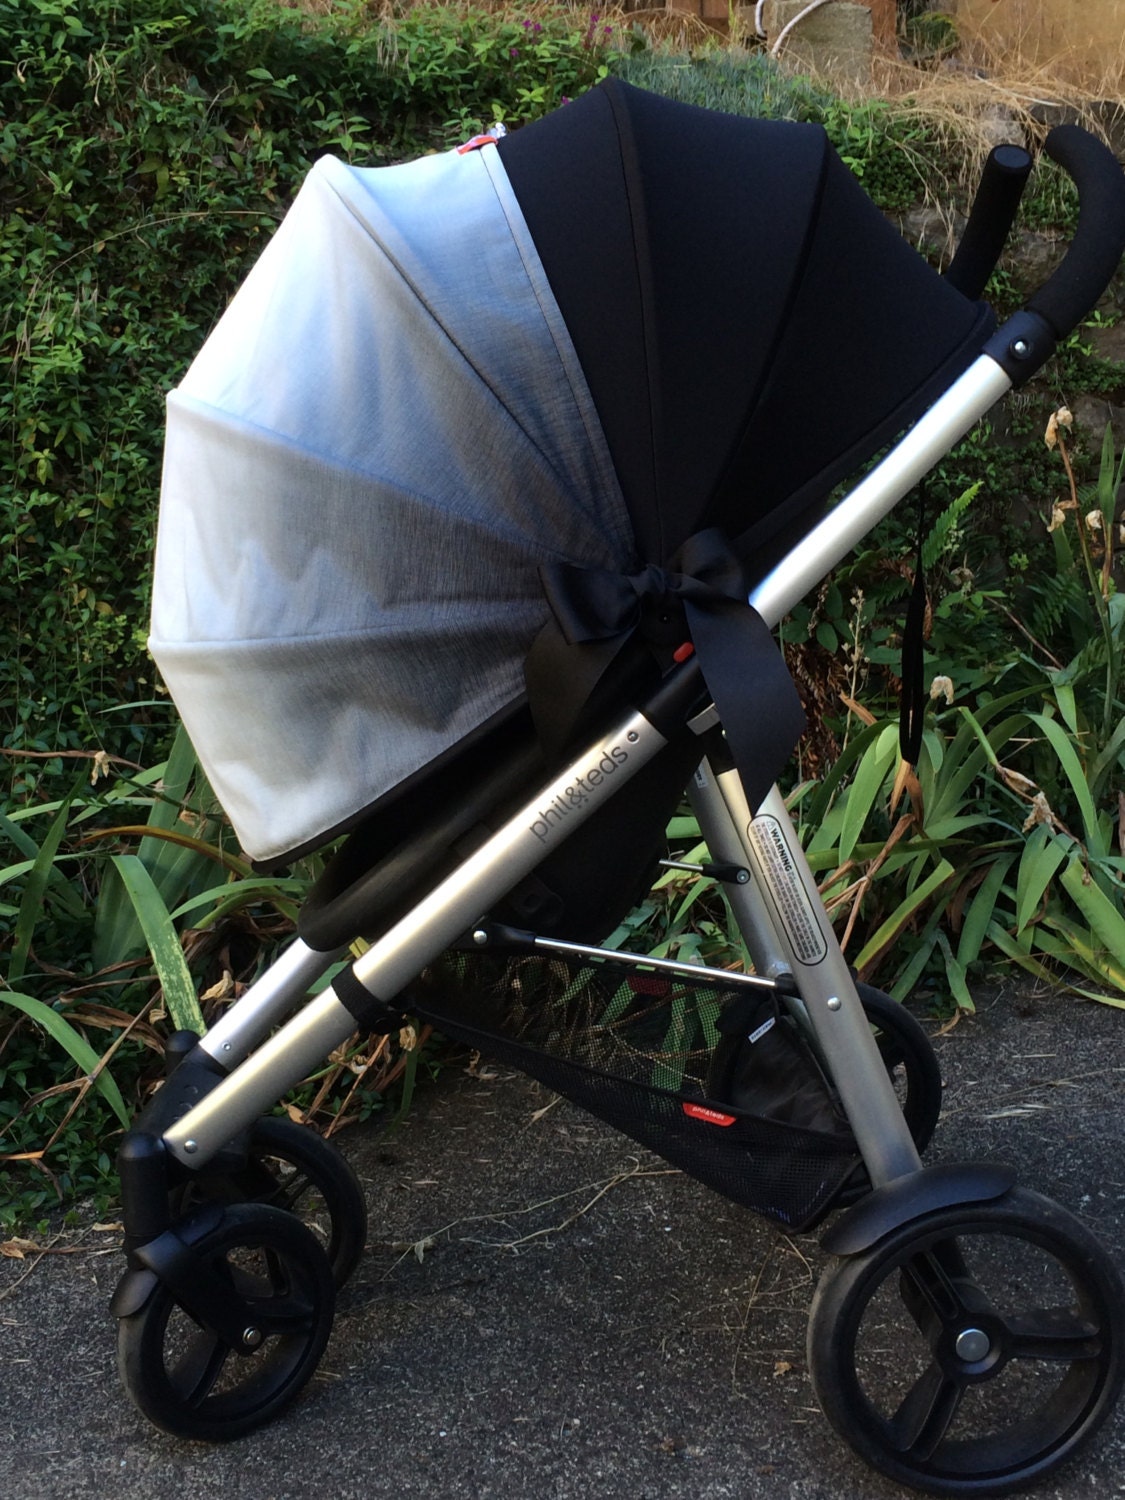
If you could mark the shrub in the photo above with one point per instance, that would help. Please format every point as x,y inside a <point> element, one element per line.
<point>147,153</point>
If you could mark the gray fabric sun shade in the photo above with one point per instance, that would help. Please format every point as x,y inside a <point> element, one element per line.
<point>384,437</point>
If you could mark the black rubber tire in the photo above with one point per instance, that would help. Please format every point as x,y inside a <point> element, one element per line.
<point>1046,1309</point>
<point>185,1379</point>
<point>293,1168</point>
<point>909,1059</point>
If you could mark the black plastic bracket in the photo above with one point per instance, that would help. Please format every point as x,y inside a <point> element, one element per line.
<point>488,934</point>
<point>147,1171</point>
<point>907,1198</point>
<point>191,1076</point>
<point>728,874</point>
<point>143,1166</point>
<point>170,1260</point>
<point>1022,345</point>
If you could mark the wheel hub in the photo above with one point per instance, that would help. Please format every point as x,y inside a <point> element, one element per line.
<point>972,1345</point>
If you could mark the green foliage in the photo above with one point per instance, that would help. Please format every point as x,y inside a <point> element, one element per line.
<point>727,79</point>
<point>147,152</point>
<point>1007,843</point>
<point>892,155</point>
<point>92,886</point>
<point>462,69</point>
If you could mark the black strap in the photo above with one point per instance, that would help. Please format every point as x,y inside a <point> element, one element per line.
<point>378,1017</point>
<point>912,701</point>
<point>701,598</point>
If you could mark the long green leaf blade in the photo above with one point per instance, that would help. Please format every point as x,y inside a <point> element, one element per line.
<point>73,1042</point>
<point>1068,759</point>
<point>898,919</point>
<point>163,944</point>
<point>1106,921</point>
<point>1041,858</point>
<point>31,905</point>
<point>981,911</point>
<point>864,789</point>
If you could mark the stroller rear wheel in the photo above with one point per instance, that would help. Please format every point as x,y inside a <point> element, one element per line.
<point>909,1059</point>
<point>291,1167</point>
<point>972,1350</point>
<point>188,1379</point>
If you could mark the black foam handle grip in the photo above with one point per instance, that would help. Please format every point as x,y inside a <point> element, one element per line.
<point>1099,241</point>
<point>994,209</point>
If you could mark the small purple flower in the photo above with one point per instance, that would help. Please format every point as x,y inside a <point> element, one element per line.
<point>513,51</point>
<point>526,25</point>
<point>607,31</point>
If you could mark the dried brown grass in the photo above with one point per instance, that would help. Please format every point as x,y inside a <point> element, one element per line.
<point>1065,43</point>
<point>976,109</point>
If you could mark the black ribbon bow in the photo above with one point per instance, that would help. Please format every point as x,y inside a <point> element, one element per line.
<point>702,596</point>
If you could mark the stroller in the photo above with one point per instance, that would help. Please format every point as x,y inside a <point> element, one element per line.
<point>480,505</point>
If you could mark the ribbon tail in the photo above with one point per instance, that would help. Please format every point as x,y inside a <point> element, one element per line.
<point>753,692</point>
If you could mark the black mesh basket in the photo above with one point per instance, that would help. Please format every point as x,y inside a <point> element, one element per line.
<point>645,1052</point>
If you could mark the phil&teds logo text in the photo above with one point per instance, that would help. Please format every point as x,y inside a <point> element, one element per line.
<point>574,796</point>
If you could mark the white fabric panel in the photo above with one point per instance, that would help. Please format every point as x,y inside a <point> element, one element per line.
<point>383,437</point>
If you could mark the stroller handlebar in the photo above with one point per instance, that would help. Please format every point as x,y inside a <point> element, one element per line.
<point>994,209</point>
<point>1099,240</point>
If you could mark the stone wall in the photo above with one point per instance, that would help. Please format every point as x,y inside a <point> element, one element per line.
<point>834,32</point>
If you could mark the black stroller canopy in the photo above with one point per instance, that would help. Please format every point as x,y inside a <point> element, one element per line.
<point>749,324</point>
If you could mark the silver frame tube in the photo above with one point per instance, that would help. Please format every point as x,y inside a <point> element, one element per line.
<point>403,952</point>
<point>747,903</point>
<point>268,1000</point>
<point>840,1028</point>
<point>931,437</point>
<point>659,965</point>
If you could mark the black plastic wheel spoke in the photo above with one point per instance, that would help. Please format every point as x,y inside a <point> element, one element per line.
<point>928,1291</point>
<point>277,1270</point>
<point>196,1372</point>
<point>290,1190</point>
<point>1053,1333</point>
<point>924,1417</point>
<point>291,1313</point>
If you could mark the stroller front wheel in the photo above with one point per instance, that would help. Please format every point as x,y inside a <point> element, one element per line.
<point>291,1167</point>
<point>193,1382</point>
<point>972,1350</point>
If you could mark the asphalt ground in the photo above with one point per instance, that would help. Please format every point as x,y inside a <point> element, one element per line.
<point>545,1311</point>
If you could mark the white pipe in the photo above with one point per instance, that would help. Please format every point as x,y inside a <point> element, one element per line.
<point>796,21</point>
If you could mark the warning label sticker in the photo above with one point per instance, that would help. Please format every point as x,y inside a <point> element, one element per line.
<point>789,895</point>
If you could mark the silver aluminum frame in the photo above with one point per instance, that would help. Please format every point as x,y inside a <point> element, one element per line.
<point>402,953</point>
<point>779,913</point>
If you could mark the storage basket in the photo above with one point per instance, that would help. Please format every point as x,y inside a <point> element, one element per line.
<point>636,1048</point>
